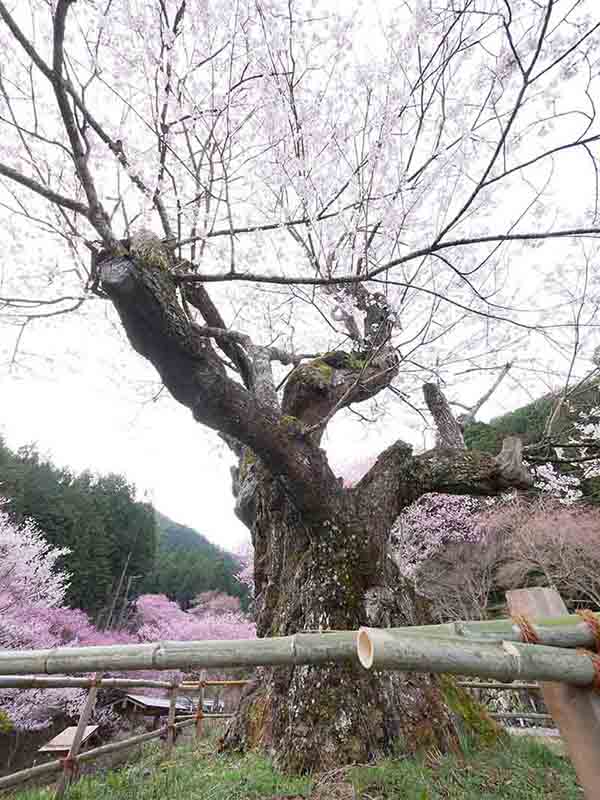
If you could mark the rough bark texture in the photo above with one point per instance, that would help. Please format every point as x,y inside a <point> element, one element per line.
<point>322,578</point>
<point>337,576</point>
<point>321,552</point>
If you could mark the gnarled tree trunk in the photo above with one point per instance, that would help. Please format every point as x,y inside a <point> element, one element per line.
<point>319,577</point>
<point>321,550</point>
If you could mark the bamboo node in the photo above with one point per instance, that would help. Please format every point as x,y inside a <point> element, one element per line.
<point>526,629</point>
<point>593,623</point>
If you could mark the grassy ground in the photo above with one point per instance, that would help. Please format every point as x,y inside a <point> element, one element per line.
<point>516,770</point>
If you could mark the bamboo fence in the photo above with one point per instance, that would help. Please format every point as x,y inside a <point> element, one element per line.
<point>567,631</point>
<point>531,715</point>
<point>68,766</point>
<point>490,650</point>
<point>88,755</point>
<point>515,686</point>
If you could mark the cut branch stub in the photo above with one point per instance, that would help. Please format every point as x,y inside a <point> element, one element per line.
<point>316,390</point>
<point>448,430</point>
<point>510,462</point>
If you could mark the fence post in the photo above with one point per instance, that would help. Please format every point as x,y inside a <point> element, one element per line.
<point>576,711</point>
<point>70,762</point>
<point>170,739</point>
<point>200,709</point>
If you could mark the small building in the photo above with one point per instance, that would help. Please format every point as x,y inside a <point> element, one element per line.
<point>61,744</point>
<point>146,706</point>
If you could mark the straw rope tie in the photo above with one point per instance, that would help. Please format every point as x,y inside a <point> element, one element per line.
<point>526,629</point>
<point>69,764</point>
<point>593,623</point>
<point>596,664</point>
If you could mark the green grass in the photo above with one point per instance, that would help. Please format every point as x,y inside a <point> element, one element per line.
<point>517,770</point>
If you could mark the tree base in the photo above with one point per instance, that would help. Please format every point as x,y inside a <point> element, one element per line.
<point>313,719</point>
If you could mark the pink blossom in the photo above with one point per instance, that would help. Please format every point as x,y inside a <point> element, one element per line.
<point>426,526</point>
<point>32,589</point>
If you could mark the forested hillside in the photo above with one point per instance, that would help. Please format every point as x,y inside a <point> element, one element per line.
<point>576,421</point>
<point>118,545</point>
<point>96,516</point>
<point>529,421</point>
<point>187,564</point>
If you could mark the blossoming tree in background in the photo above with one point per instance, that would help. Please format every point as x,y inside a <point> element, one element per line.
<point>33,615</point>
<point>161,618</point>
<point>29,573</point>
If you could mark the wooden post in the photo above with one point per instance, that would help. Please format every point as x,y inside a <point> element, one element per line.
<point>70,762</point>
<point>170,740</point>
<point>200,710</point>
<point>575,710</point>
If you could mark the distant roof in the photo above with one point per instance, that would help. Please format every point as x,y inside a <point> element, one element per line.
<point>64,740</point>
<point>158,702</point>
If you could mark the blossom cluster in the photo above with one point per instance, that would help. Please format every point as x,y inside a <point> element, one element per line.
<point>430,523</point>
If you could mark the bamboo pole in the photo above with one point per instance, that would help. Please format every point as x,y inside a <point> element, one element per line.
<point>31,772</point>
<point>89,755</point>
<point>301,648</point>
<point>576,711</point>
<point>499,660</point>
<point>565,630</point>
<point>70,762</point>
<point>518,715</point>
<point>170,739</point>
<point>502,687</point>
<point>200,709</point>
<point>63,682</point>
<point>560,630</point>
<point>195,687</point>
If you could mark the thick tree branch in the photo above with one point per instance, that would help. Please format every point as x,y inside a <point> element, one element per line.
<point>398,478</point>
<point>351,278</point>
<point>315,391</point>
<point>145,296</point>
<point>224,335</point>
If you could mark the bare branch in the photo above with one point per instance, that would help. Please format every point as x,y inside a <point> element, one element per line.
<point>44,191</point>
<point>303,280</point>
<point>469,417</point>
